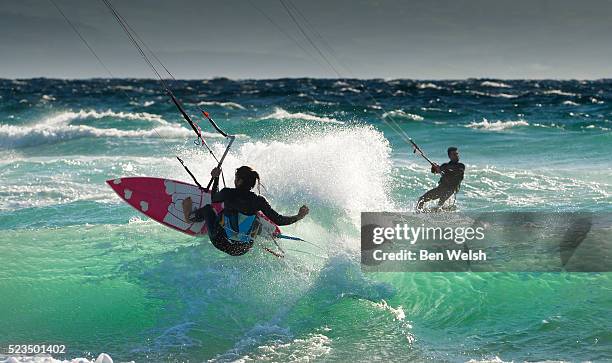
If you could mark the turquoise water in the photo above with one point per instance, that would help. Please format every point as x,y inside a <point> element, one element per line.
<point>83,269</point>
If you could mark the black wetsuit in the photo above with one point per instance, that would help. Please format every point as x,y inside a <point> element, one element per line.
<point>452,175</point>
<point>235,201</point>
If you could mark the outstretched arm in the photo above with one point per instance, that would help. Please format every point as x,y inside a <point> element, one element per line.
<point>278,218</point>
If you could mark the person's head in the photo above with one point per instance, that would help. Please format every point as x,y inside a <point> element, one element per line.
<point>245,178</point>
<point>453,153</point>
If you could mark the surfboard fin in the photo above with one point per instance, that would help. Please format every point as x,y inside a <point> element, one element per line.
<point>284,236</point>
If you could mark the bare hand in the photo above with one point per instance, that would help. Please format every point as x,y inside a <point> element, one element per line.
<point>303,211</point>
<point>435,168</point>
<point>215,172</point>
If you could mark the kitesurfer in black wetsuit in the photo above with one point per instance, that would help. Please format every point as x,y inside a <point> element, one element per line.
<point>236,200</point>
<point>452,175</point>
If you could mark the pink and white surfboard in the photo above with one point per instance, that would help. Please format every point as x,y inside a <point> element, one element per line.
<point>162,200</point>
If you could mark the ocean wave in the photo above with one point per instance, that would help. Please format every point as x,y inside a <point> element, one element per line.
<point>403,115</point>
<point>559,93</point>
<point>69,179</point>
<point>230,105</point>
<point>595,127</point>
<point>570,103</point>
<point>102,358</point>
<point>350,89</point>
<point>595,100</point>
<point>496,95</point>
<point>428,85</point>
<point>281,114</point>
<point>68,116</point>
<point>495,84</point>
<point>57,128</point>
<point>495,359</point>
<point>316,159</point>
<point>324,103</point>
<point>313,347</point>
<point>20,136</point>
<point>519,188</point>
<point>497,125</point>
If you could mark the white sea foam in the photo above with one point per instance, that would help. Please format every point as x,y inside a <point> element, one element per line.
<point>497,125</point>
<point>73,181</point>
<point>320,170</point>
<point>57,128</point>
<point>325,103</point>
<point>496,95</point>
<point>398,312</point>
<point>102,358</point>
<point>570,103</point>
<point>497,359</point>
<point>230,105</point>
<point>311,347</point>
<point>403,115</point>
<point>399,316</point>
<point>495,84</point>
<point>68,116</point>
<point>595,100</point>
<point>428,85</point>
<point>559,93</point>
<point>520,188</point>
<point>22,136</point>
<point>350,89</point>
<point>281,114</point>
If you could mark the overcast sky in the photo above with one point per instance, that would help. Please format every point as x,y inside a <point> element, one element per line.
<point>429,39</point>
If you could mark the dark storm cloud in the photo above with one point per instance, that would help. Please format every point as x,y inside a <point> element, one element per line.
<point>391,39</point>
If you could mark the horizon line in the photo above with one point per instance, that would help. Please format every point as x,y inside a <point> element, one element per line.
<point>303,77</point>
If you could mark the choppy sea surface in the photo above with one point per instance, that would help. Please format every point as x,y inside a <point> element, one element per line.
<point>81,268</point>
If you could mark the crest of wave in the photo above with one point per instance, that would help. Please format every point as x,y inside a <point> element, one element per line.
<point>68,116</point>
<point>497,125</point>
<point>347,168</point>
<point>281,114</point>
<point>57,128</point>
<point>402,115</point>
<point>495,84</point>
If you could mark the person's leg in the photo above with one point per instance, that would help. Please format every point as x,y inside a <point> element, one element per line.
<point>205,214</point>
<point>444,195</point>
<point>187,204</point>
<point>221,243</point>
<point>210,217</point>
<point>430,195</point>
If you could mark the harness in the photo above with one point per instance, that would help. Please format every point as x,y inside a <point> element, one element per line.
<point>240,228</point>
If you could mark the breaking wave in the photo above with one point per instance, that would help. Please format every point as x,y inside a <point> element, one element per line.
<point>281,114</point>
<point>68,116</point>
<point>57,129</point>
<point>230,105</point>
<point>403,115</point>
<point>559,93</point>
<point>428,85</point>
<point>496,95</point>
<point>497,125</point>
<point>495,84</point>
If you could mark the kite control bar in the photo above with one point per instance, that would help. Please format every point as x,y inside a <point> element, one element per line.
<point>417,149</point>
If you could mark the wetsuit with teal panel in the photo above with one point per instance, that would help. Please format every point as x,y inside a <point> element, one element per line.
<point>229,232</point>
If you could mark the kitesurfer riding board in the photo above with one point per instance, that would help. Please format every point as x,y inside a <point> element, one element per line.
<point>234,229</point>
<point>452,175</point>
